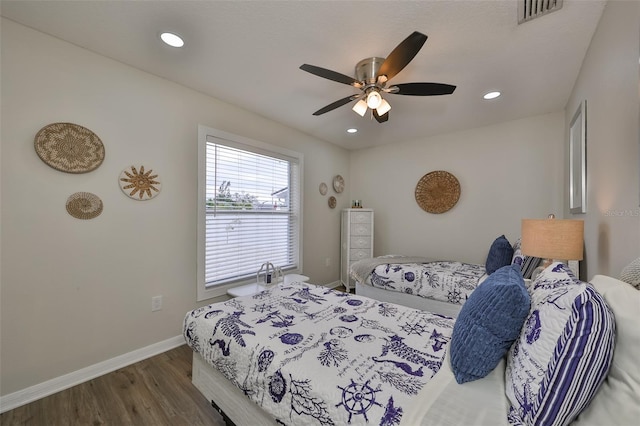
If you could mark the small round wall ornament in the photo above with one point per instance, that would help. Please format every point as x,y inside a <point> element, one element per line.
<point>437,191</point>
<point>332,202</point>
<point>84,205</point>
<point>139,183</point>
<point>323,188</point>
<point>338,184</point>
<point>69,147</point>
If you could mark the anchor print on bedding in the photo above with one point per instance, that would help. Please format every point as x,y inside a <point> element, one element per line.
<point>310,355</point>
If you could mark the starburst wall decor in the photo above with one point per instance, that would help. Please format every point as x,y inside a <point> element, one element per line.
<point>139,184</point>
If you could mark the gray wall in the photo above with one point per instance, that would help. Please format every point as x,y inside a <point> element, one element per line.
<point>74,292</point>
<point>506,172</point>
<point>609,82</point>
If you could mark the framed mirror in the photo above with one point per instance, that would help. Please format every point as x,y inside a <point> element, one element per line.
<point>578,160</point>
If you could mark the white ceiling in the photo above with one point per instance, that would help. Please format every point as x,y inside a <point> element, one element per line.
<point>247,53</point>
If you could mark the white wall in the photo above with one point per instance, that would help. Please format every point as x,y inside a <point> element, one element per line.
<point>74,292</point>
<point>608,81</point>
<point>506,172</point>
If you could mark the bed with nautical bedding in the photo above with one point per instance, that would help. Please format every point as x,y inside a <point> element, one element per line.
<point>440,286</point>
<point>305,354</point>
<point>420,283</point>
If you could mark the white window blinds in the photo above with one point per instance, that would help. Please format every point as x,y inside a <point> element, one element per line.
<point>252,211</point>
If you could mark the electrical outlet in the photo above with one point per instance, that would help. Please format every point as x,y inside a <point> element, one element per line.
<point>156,303</point>
<point>327,262</point>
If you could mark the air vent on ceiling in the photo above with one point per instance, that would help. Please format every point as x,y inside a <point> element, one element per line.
<point>530,9</point>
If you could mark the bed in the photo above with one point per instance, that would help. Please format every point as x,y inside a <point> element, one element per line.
<point>440,286</point>
<point>311,355</point>
<point>420,283</point>
<point>305,354</point>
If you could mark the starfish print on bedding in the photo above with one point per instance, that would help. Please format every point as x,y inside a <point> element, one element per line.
<point>413,328</point>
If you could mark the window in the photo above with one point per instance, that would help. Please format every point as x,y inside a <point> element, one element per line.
<point>249,205</point>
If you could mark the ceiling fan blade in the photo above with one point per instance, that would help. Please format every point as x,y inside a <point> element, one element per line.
<point>330,75</point>
<point>380,118</point>
<point>421,89</point>
<point>336,104</point>
<point>402,55</point>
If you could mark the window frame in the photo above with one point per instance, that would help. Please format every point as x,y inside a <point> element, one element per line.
<point>208,134</point>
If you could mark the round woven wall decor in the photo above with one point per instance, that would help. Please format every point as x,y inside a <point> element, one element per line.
<point>84,205</point>
<point>437,192</point>
<point>139,184</point>
<point>70,148</point>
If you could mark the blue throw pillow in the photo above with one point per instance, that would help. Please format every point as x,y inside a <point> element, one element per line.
<point>488,323</point>
<point>500,254</point>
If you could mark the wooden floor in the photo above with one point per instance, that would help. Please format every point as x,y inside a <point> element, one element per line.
<point>153,392</point>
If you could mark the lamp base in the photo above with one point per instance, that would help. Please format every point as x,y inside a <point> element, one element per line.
<point>539,269</point>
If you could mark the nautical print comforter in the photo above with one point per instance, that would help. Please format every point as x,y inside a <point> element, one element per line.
<point>311,355</point>
<point>446,281</point>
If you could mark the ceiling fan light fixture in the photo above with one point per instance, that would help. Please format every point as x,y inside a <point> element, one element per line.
<point>383,108</point>
<point>374,99</point>
<point>360,107</point>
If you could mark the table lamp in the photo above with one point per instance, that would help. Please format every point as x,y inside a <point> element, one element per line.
<point>551,238</point>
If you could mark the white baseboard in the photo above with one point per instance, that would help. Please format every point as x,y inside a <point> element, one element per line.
<point>33,393</point>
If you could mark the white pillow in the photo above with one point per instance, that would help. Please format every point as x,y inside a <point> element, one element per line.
<point>617,400</point>
<point>563,353</point>
<point>631,273</point>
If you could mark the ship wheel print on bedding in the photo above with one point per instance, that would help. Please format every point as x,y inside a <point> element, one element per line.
<point>454,296</point>
<point>358,398</point>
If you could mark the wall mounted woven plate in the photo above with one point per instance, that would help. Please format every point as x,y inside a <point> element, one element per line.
<point>437,191</point>
<point>70,148</point>
<point>139,184</point>
<point>332,202</point>
<point>84,205</point>
<point>338,184</point>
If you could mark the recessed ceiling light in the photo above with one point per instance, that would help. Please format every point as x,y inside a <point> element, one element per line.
<point>352,130</point>
<point>491,95</point>
<point>172,39</point>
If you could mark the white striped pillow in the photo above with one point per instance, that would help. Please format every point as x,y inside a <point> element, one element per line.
<point>563,353</point>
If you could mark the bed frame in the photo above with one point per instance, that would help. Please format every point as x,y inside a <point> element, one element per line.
<point>234,407</point>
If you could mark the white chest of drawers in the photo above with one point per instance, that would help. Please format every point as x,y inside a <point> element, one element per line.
<point>356,235</point>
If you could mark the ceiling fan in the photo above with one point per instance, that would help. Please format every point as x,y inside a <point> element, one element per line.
<point>372,75</point>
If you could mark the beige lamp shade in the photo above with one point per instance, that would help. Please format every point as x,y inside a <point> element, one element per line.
<point>560,239</point>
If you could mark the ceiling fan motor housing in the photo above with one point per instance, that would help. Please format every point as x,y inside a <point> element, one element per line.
<point>367,70</point>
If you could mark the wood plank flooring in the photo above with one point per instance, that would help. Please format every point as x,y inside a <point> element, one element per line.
<point>153,392</point>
